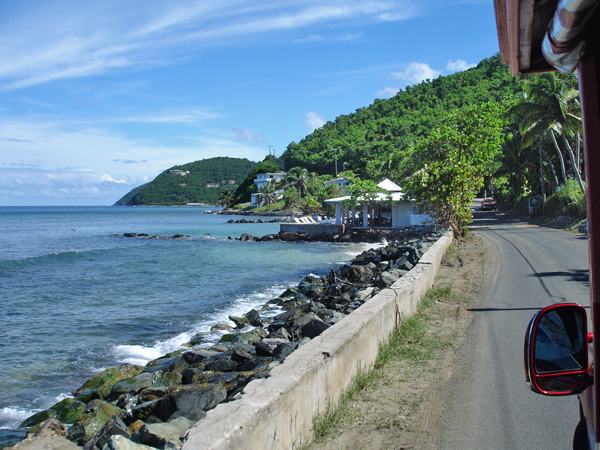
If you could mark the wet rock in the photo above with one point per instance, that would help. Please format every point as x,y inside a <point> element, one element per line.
<point>131,385</point>
<point>96,414</point>
<point>113,427</point>
<point>174,364</point>
<point>66,411</point>
<point>240,322</point>
<point>254,318</point>
<point>100,385</point>
<point>221,327</point>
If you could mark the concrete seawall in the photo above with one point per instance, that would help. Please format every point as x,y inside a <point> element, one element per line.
<point>277,412</point>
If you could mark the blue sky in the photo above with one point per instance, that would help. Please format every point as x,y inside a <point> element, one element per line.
<point>99,97</point>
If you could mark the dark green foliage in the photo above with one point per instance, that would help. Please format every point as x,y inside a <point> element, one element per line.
<point>173,188</point>
<point>126,199</point>
<point>372,133</point>
<point>244,191</point>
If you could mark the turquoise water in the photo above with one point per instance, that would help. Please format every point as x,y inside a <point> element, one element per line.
<point>76,299</point>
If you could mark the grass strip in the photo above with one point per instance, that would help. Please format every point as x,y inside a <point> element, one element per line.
<point>411,342</point>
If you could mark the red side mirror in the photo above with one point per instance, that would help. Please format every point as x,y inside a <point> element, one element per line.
<point>556,350</point>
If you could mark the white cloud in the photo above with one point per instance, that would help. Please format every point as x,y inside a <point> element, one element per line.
<point>246,135</point>
<point>67,39</point>
<point>458,65</point>
<point>386,92</point>
<point>314,120</point>
<point>416,73</point>
<point>60,161</point>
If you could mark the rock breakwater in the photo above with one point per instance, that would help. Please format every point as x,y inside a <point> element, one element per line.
<point>154,405</point>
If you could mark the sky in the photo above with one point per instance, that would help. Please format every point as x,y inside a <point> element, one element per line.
<point>97,98</point>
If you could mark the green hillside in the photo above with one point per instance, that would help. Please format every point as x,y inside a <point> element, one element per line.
<point>196,182</point>
<point>365,137</point>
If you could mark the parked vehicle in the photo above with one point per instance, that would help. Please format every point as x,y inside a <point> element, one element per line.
<point>488,203</point>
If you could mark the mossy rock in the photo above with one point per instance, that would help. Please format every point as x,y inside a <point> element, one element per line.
<point>37,418</point>
<point>102,383</point>
<point>227,338</point>
<point>132,385</point>
<point>66,411</point>
<point>96,414</point>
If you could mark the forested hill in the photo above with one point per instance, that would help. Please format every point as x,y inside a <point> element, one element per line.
<point>196,182</point>
<point>367,137</point>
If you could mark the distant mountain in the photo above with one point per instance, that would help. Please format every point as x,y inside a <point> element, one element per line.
<point>197,182</point>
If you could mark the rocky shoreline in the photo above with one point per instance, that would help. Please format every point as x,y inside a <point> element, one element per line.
<point>128,407</point>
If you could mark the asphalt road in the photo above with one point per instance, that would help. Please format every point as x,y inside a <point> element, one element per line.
<point>486,405</point>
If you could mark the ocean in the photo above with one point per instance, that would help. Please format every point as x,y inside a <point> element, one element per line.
<point>76,299</point>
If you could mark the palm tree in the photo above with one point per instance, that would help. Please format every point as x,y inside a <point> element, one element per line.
<point>268,194</point>
<point>297,177</point>
<point>551,107</point>
<point>226,198</point>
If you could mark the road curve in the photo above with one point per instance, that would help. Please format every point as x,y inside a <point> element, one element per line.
<point>486,405</point>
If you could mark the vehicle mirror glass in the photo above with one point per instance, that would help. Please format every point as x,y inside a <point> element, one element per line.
<point>562,383</point>
<point>560,343</point>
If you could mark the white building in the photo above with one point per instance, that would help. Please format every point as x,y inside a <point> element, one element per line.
<point>261,179</point>
<point>394,210</point>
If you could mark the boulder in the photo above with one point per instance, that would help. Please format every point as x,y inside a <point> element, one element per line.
<point>66,411</point>
<point>290,316</point>
<point>246,338</point>
<point>175,364</point>
<point>196,356</point>
<point>113,427</point>
<point>145,410</point>
<point>50,427</point>
<point>253,317</point>
<point>101,384</point>
<point>96,414</point>
<point>221,327</point>
<point>122,443</point>
<point>360,274</point>
<point>220,363</point>
<point>160,435</point>
<point>131,385</point>
<point>267,346</point>
<point>387,279</point>
<point>45,443</point>
<point>287,235</point>
<point>364,294</point>
<point>240,322</point>
<point>192,397</point>
<point>313,328</point>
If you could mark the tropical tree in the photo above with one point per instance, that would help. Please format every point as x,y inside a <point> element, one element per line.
<point>268,194</point>
<point>226,198</point>
<point>549,109</point>
<point>365,192</point>
<point>453,162</point>
<point>297,177</point>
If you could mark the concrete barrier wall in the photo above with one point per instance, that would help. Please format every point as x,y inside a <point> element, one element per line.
<point>277,412</point>
<point>313,228</point>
